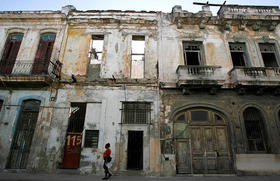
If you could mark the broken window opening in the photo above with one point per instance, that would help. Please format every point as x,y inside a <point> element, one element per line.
<point>96,49</point>
<point>268,53</point>
<point>238,54</point>
<point>255,132</point>
<point>77,117</point>
<point>192,53</point>
<point>138,57</point>
<point>91,138</point>
<point>136,112</point>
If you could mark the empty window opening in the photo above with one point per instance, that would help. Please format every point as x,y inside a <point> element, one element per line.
<point>136,112</point>
<point>268,54</point>
<point>138,57</point>
<point>192,53</point>
<point>96,49</point>
<point>238,54</point>
<point>255,130</point>
<point>91,138</point>
<point>10,53</point>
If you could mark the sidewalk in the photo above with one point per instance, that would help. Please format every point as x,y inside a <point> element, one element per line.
<point>64,177</point>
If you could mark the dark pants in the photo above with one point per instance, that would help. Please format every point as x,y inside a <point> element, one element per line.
<point>106,169</point>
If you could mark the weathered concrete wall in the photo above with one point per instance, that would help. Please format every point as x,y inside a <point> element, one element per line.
<point>9,117</point>
<point>103,113</point>
<point>258,164</point>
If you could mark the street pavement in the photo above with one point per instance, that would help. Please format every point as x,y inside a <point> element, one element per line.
<point>68,177</point>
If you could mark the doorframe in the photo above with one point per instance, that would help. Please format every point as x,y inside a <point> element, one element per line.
<point>214,108</point>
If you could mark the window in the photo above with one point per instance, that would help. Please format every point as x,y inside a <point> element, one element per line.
<point>1,104</point>
<point>254,130</point>
<point>193,53</point>
<point>268,54</point>
<point>136,112</point>
<point>91,138</point>
<point>138,57</point>
<point>199,116</point>
<point>96,49</point>
<point>10,53</point>
<point>43,54</point>
<point>238,54</point>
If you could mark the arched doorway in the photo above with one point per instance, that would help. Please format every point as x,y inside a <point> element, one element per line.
<point>23,136</point>
<point>201,142</point>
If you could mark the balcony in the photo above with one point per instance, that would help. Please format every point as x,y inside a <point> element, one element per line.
<point>195,76</point>
<point>29,75</point>
<point>255,76</point>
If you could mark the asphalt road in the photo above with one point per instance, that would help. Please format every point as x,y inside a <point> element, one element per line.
<point>66,177</point>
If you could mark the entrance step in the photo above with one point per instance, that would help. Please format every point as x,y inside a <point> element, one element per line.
<point>130,173</point>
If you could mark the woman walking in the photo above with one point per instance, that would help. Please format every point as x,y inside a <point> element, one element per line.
<point>107,159</point>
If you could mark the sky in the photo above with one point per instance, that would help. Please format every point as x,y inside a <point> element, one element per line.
<point>148,5</point>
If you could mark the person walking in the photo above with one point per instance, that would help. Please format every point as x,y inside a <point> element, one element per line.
<point>107,159</point>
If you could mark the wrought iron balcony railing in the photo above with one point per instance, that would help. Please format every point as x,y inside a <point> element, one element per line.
<point>27,68</point>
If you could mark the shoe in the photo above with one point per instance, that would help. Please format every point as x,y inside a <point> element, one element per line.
<point>109,175</point>
<point>105,178</point>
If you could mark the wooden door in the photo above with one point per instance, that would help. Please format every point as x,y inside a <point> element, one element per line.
<point>210,149</point>
<point>43,55</point>
<point>183,158</point>
<point>10,53</point>
<point>72,150</point>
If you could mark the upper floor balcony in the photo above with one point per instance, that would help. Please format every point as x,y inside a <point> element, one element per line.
<point>197,76</point>
<point>255,76</point>
<point>29,74</point>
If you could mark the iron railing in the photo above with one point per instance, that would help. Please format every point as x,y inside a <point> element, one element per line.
<point>23,68</point>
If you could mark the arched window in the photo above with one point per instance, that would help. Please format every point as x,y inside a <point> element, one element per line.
<point>255,130</point>
<point>10,53</point>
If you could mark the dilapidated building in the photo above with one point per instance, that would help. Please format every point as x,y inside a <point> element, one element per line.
<point>173,93</point>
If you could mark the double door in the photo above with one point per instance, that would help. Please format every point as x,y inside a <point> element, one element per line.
<point>207,151</point>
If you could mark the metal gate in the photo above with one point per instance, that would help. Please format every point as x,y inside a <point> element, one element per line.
<point>24,134</point>
<point>135,150</point>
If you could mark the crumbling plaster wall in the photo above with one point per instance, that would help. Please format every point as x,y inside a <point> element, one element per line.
<point>9,117</point>
<point>103,113</point>
<point>116,60</point>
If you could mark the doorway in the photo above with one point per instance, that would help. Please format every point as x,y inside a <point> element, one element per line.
<point>73,141</point>
<point>23,136</point>
<point>202,142</point>
<point>135,150</point>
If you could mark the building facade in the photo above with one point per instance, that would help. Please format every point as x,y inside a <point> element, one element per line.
<point>173,93</point>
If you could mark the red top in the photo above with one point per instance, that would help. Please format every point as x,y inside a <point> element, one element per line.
<point>105,153</point>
